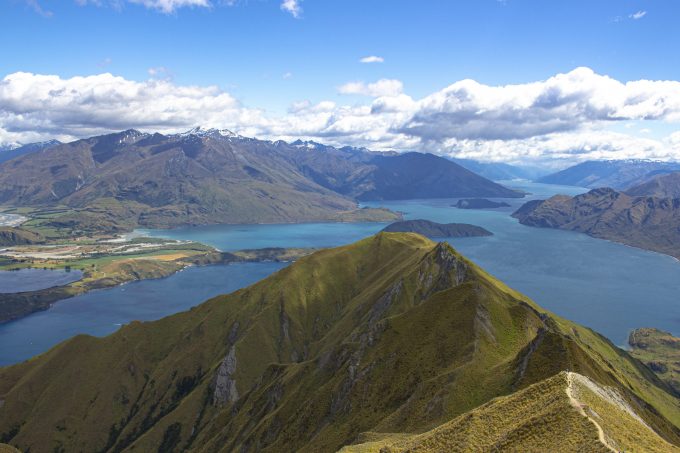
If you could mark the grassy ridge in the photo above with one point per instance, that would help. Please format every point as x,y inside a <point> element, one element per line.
<point>392,334</point>
<point>566,412</point>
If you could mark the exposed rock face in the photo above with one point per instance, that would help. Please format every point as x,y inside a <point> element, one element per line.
<point>225,385</point>
<point>646,222</point>
<point>437,230</point>
<point>401,335</point>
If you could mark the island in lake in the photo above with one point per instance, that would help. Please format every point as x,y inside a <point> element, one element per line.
<point>479,203</point>
<point>437,230</point>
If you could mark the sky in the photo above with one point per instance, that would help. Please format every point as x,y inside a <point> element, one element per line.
<point>519,81</point>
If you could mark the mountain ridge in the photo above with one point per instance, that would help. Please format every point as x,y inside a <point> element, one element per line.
<point>617,174</point>
<point>663,186</point>
<point>209,176</point>
<point>394,333</point>
<point>646,222</point>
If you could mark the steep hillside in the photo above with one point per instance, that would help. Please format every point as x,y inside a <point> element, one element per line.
<point>207,176</point>
<point>665,186</point>
<point>499,171</point>
<point>618,174</point>
<point>644,222</point>
<point>567,412</point>
<point>660,351</point>
<point>13,153</point>
<point>417,175</point>
<point>18,236</point>
<point>392,334</point>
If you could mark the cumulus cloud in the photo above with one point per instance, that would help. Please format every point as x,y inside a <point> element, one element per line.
<point>566,117</point>
<point>558,149</point>
<point>81,106</point>
<point>638,15</point>
<point>565,102</point>
<point>292,6</point>
<point>372,59</point>
<point>383,87</point>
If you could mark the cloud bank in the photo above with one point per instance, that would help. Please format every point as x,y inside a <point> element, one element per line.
<point>568,116</point>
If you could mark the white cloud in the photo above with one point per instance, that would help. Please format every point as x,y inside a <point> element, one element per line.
<point>372,59</point>
<point>287,75</point>
<point>160,72</point>
<point>565,102</point>
<point>559,149</point>
<point>37,7</point>
<point>383,87</point>
<point>81,106</point>
<point>638,15</point>
<point>164,6</point>
<point>568,117</point>
<point>293,7</point>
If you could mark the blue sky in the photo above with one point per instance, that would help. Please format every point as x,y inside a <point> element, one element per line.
<point>267,59</point>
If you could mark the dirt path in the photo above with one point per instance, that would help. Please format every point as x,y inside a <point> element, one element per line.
<point>577,404</point>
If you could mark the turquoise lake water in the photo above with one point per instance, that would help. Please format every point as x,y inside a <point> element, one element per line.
<point>609,287</point>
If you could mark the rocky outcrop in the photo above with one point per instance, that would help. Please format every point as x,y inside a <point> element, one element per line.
<point>225,390</point>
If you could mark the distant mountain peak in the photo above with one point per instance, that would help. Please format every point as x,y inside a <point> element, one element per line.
<point>10,146</point>
<point>308,144</point>
<point>200,131</point>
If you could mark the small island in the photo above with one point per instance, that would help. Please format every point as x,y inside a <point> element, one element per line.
<point>437,230</point>
<point>479,203</point>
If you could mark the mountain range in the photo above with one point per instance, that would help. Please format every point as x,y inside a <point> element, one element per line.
<point>500,171</point>
<point>617,174</point>
<point>131,179</point>
<point>394,343</point>
<point>13,152</point>
<point>646,222</point>
<point>664,186</point>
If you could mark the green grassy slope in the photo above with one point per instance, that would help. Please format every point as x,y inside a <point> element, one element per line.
<point>566,413</point>
<point>660,351</point>
<point>391,334</point>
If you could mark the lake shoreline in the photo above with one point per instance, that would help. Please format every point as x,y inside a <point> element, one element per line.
<point>44,299</point>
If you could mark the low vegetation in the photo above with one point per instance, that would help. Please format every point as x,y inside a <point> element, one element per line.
<point>105,264</point>
<point>392,334</point>
<point>660,351</point>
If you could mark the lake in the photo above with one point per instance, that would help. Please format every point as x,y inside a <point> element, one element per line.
<point>23,280</point>
<point>609,287</point>
<point>102,312</point>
